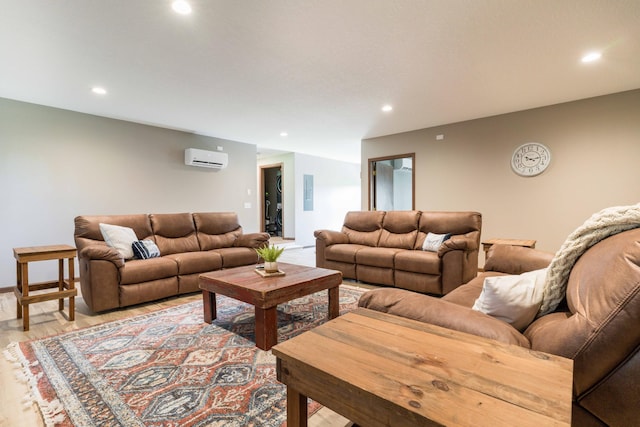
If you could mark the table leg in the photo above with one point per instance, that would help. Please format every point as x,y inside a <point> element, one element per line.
<point>266,327</point>
<point>19,286</point>
<point>25,317</point>
<point>72,299</point>
<point>24,283</point>
<point>209,301</point>
<point>334,302</point>
<point>60,283</point>
<point>296,408</point>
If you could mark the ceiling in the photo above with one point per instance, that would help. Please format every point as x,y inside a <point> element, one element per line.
<point>320,70</point>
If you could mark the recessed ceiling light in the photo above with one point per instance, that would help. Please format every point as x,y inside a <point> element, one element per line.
<point>181,7</point>
<point>99,90</point>
<point>387,108</point>
<point>591,57</point>
<point>284,134</point>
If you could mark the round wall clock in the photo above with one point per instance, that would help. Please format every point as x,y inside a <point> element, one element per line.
<point>530,159</point>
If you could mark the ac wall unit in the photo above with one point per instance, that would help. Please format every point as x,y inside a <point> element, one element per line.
<point>205,158</point>
<point>403,164</point>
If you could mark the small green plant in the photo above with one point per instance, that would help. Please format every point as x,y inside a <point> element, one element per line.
<point>270,253</point>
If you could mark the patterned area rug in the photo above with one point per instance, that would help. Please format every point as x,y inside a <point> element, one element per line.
<point>169,368</point>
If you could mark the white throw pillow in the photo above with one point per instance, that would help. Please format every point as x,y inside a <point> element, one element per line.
<point>514,299</point>
<point>119,238</point>
<point>433,241</point>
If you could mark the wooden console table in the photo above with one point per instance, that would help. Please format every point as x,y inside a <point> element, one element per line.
<point>382,370</point>
<point>65,288</point>
<point>486,245</point>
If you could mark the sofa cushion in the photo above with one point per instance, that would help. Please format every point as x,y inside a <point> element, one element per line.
<point>377,257</point>
<point>363,227</point>
<point>513,299</point>
<point>439,312</point>
<point>174,233</point>
<point>454,223</point>
<point>87,227</point>
<point>120,238</point>
<point>196,262</point>
<point>216,229</point>
<point>515,259</point>
<point>145,270</point>
<point>343,253</point>
<point>603,297</point>
<point>418,262</point>
<point>399,229</point>
<point>467,294</point>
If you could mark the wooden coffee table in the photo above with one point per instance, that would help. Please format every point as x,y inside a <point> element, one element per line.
<point>265,293</point>
<point>382,370</point>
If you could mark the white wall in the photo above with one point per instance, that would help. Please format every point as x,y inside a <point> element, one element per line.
<point>336,191</point>
<point>57,164</point>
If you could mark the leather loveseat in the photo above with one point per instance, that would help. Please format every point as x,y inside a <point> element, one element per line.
<point>189,244</point>
<point>386,248</point>
<point>597,325</point>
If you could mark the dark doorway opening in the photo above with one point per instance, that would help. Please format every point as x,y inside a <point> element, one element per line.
<point>272,204</point>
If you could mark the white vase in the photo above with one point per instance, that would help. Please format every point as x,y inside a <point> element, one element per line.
<point>271,267</point>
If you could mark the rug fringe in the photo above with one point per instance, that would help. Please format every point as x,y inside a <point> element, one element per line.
<point>51,411</point>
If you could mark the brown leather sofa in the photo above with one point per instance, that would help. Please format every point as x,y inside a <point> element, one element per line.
<point>385,248</point>
<point>597,325</point>
<point>189,244</point>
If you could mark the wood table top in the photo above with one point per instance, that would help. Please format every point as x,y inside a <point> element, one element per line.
<point>245,284</point>
<point>38,253</point>
<point>411,373</point>
<point>529,243</point>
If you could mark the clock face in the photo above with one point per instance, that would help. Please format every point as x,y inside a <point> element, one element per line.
<point>530,159</point>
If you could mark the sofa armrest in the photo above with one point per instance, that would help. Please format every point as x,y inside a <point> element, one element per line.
<point>516,259</point>
<point>102,253</point>
<point>331,237</point>
<point>461,242</point>
<point>252,240</point>
<point>439,312</point>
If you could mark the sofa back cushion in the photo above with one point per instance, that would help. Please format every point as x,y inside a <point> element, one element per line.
<point>216,229</point>
<point>454,223</point>
<point>87,227</point>
<point>600,331</point>
<point>399,229</point>
<point>174,233</point>
<point>363,227</point>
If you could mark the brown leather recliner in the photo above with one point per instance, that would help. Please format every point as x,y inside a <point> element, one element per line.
<point>597,325</point>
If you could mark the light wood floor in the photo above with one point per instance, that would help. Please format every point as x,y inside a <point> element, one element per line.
<point>45,320</point>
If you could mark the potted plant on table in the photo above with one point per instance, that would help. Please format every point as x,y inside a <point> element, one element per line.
<point>270,256</point>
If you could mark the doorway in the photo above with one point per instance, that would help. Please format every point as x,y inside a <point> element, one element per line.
<point>271,200</point>
<point>392,183</point>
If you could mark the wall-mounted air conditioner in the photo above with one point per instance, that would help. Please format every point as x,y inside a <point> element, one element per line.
<point>205,159</point>
<point>403,164</point>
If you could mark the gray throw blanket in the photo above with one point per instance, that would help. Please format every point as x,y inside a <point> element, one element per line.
<point>601,225</point>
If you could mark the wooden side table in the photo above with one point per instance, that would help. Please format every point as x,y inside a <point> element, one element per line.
<point>381,370</point>
<point>64,288</point>
<point>486,245</point>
